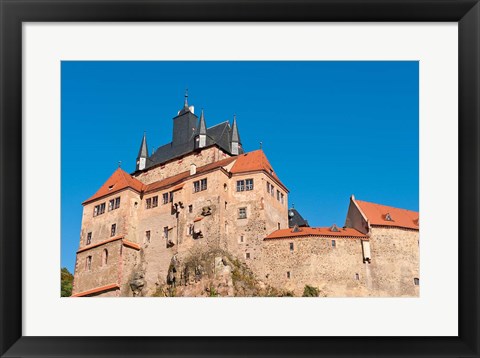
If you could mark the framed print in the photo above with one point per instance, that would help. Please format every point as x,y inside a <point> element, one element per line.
<point>191,166</point>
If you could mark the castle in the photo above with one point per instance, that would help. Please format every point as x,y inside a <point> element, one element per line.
<point>202,191</point>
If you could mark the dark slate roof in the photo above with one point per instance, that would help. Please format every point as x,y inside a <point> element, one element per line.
<point>296,219</point>
<point>218,134</point>
<point>143,151</point>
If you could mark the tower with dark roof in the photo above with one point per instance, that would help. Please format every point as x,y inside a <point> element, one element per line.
<point>142,154</point>
<point>235,141</point>
<point>184,125</point>
<point>201,136</point>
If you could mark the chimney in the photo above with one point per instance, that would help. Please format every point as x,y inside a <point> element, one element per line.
<point>193,169</point>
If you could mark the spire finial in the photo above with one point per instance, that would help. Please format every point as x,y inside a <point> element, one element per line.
<point>261,145</point>
<point>186,98</point>
<point>119,163</point>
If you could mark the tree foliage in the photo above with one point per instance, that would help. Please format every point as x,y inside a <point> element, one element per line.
<point>310,291</point>
<point>66,282</point>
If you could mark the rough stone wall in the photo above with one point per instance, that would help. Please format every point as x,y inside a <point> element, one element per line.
<point>395,261</point>
<point>176,166</point>
<point>355,219</point>
<point>125,218</point>
<point>98,275</point>
<point>315,262</point>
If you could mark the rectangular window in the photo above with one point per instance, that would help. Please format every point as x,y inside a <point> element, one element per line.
<point>291,247</point>
<point>249,184</point>
<point>278,224</point>
<point>416,281</point>
<point>199,185</point>
<point>288,274</point>
<point>147,236</point>
<point>278,195</point>
<point>148,203</point>
<point>190,208</point>
<point>241,238</point>
<point>357,276</point>
<point>117,203</point>
<point>113,230</point>
<point>171,196</point>
<point>110,204</point>
<point>89,238</point>
<point>240,185</point>
<point>281,198</point>
<point>242,213</point>
<point>334,244</point>
<point>247,255</point>
<point>272,190</point>
<point>190,229</point>
<point>268,187</point>
<point>165,198</point>
<point>99,209</point>
<point>154,201</point>
<point>165,232</point>
<point>88,263</point>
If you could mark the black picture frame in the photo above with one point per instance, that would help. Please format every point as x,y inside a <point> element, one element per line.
<point>14,12</point>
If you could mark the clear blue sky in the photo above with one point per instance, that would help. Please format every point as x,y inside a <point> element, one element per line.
<point>329,129</point>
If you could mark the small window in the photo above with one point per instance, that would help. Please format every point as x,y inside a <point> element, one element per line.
<point>147,236</point>
<point>281,198</point>
<point>225,205</point>
<point>113,230</point>
<point>165,198</point>
<point>278,195</point>
<point>165,232</point>
<point>99,209</point>
<point>199,185</point>
<point>268,187</point>
<point>242,239</point>
<point>117,203</point>
<point>334,244</point>
<point>416,281</point>
<point>289,274</point>
<point>89,238</point>
<point>249,184</point>
<point>388,217</point>
<point>278,225</point>
<point>291,247</point>
<point>272,190</point>
<point>240,185</point>
<point>190,230</point>
<point>357,276</point>
<point>247,255</point>
<point>203,184</point>
<point>148,203</point>
<point>171,197</point>
<point>88,263</point>
<point>242,213</point>
<point>154,201</point>
<point>111,203</point>
<point>105,257</point>
<point>190,208</point>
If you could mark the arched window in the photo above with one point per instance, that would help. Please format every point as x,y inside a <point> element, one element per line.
<point>105,257</point>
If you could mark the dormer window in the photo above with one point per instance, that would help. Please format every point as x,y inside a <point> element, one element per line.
<point>388,217</point>
<point>111,187</point>
<point>334,228</point>
<point>296,229</point>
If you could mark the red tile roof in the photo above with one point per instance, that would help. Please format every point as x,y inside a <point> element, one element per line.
<point>377,214</point>
<point>316,231</point>
<point>112,286</point>
<point>119,180</point>
<point>182,176</point>
<point>254,161</point>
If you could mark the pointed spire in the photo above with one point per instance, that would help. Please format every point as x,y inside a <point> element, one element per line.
<point>185,105</point>
<point>142,153</point>
<point>202,127</point>
<point>235,136</point>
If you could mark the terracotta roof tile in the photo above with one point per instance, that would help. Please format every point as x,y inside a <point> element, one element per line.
<point>112,286</point>
<point>119,180</point>
<point>254,161</point>
<point>182,176</point>
<point>377,215</point>
<point>316,231</point>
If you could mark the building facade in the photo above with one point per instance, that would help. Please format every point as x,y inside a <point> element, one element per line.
<point>201,192</point>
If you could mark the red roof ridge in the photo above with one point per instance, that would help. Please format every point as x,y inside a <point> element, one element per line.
<point>316,231</point>
<point>118,181</point>
<point>384,215</point>
<point>97,290</point>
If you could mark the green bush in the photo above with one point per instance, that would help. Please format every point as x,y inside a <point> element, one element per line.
<point>66,279</point>
<point>310,291</point>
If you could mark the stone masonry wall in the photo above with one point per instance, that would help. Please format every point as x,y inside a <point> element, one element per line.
<point>395,261</point>
<point>315,262</point>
